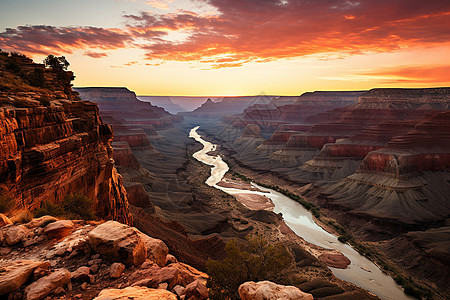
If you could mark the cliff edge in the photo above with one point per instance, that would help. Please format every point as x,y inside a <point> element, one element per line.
<point>52,144</point>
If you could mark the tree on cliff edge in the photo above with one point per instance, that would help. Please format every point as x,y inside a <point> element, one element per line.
<point>56,63</point>
<point>59,65</point>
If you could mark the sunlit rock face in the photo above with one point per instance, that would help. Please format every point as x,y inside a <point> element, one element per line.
<point>50,152</point>
<point>53,144</point>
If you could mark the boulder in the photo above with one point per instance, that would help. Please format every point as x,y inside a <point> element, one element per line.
<point>41,222</point>
<point>44,286</point>
<point>14,274</point>
<point>156,249</point>
<point>4,220</point>
<point>189,274</point>
<point>196,291</point>
<point>179,290</point>
<point>265,290</point>
<point>170,259</point>
<point>59,229</point>
<point>14,234</point>
<point>118,242</point>
<point>81,274</point>
<point>155,275</point>
<point>116,270</point>
<point>136,293</point>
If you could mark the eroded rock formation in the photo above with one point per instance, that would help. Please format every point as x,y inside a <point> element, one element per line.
<point>56,147</point>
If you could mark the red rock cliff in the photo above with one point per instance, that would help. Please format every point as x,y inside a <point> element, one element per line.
<point>48,152</point>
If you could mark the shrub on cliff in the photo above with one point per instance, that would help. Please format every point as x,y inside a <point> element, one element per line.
<point>49,208</point>
<point>256,261</point>
<point>74,206</point>
<point>56,63</point>
<point>78,206</point>
<point>59,65</point>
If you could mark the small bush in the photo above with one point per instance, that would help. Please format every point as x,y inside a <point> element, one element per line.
<point>78,206</point>
<point>6,203</point>
<point>49,208</point>
<point>74,206</point>
<point>256,261</point>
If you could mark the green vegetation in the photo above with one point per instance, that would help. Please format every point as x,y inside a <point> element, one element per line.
<point>74,206</point>
<point>59,65</point>
<point>255,261</point>
<point>79,206</point>
<point>56,63</point>
<point>49,208</point>
<point>6,203</point>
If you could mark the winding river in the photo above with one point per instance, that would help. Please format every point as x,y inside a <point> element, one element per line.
<point>361,272</point>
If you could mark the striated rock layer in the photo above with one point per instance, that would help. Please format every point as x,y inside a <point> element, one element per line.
<point>308,104</point>
<point>408,180</point>
<point>48,152</point>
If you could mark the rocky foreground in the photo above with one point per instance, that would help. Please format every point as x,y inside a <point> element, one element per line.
<point>64,259</point>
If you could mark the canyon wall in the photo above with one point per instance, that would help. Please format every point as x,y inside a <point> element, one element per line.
<point>56,147</point>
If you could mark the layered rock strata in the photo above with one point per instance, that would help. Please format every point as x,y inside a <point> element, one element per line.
<point>49,150</point>
<point>408,180</point>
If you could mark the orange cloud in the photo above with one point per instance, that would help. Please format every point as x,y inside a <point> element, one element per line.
<point>412,74</point>
<point>41,39</point>
<point>254,30</point>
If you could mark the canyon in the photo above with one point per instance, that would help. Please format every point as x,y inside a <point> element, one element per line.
<point>378,166</point>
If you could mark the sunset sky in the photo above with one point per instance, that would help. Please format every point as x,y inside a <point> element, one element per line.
<point>236,47</point>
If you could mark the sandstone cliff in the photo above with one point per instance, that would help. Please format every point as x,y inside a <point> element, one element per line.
<point>53,144</point>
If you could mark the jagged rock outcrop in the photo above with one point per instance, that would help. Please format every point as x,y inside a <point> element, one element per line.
<point>134,175</point>
<point>56,147</point>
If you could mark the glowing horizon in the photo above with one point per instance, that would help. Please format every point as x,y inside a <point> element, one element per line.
<point>219,48</point>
